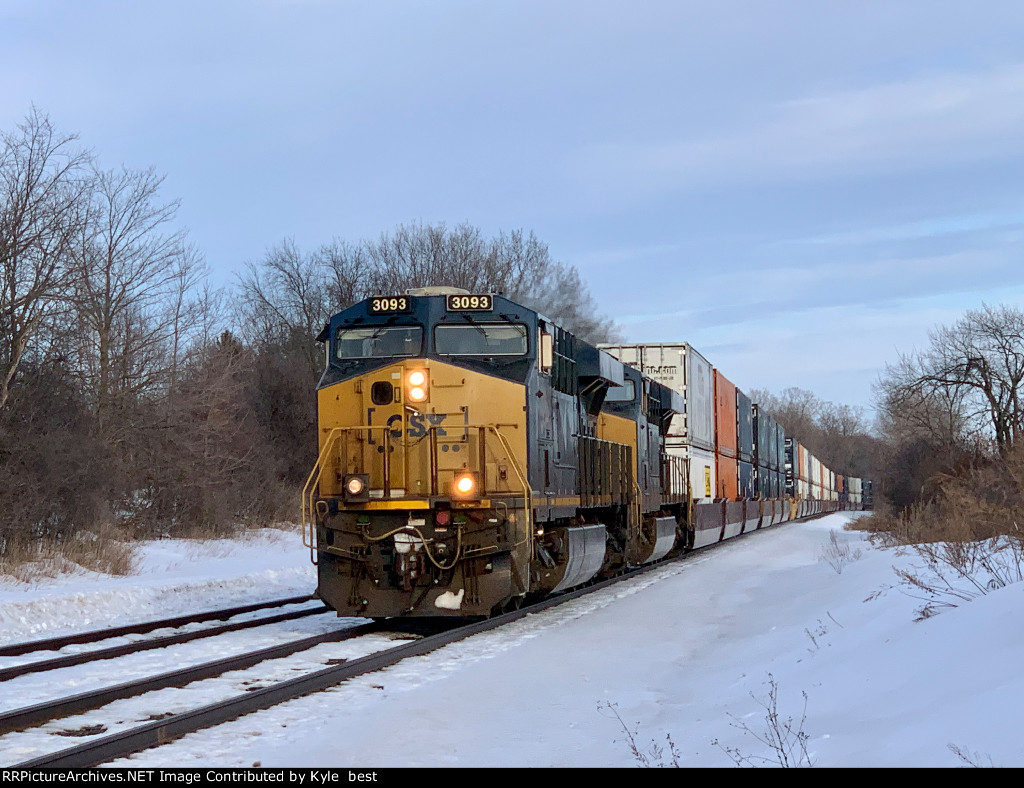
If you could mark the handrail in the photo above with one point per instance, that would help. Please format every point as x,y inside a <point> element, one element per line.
<point>309,489</point>
<point>527,491</point>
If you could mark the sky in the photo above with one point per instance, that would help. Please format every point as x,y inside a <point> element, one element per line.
<point>693,652</point>
<point>801,190</point>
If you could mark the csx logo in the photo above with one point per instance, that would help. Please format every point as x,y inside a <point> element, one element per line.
<point>419,423</point>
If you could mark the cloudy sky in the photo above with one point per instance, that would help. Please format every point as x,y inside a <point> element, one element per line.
<point>799,189</point>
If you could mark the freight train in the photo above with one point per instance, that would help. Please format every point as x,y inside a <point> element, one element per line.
<point>473,454</point>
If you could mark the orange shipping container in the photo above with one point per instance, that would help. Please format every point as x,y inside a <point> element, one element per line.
<point>727,473</point>
<point>725,416</point>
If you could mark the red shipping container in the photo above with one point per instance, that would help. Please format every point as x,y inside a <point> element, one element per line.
<point>725,416</point>
<point>727,471</point>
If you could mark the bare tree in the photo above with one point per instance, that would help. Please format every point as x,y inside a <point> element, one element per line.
<point>969,376</point>
<point>939,416</point>
<point>840,425</point>
<point>286,298</point>
<point>132,287</point>
<point>515,264</point>
<point>41,210</point>
<point>285,301</point>
<point>797,410</point>
<point>192,310</point>
<point>348,271</point>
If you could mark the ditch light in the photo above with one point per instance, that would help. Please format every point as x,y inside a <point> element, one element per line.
<point>466,486</point>
<point>357,487</point>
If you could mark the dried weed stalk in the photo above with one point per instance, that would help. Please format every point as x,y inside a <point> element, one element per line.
<point>785,739</point>
<point>654,756</point>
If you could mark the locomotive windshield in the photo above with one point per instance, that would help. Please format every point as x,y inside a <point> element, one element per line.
<point>623,393</point>
<point>480,339</point>
<point>378,342</point>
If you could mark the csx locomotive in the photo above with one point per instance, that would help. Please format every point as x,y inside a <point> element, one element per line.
<point>473,454</point>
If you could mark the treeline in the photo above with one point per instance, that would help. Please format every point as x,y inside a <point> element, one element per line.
<point>952,416</point>
<point>838,435</point>
<point>136,397</point>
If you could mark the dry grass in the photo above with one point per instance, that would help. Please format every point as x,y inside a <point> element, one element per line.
<point>981,502</point>
<point>105,551</point>
<point>967,536</point>
<point>111,549</point>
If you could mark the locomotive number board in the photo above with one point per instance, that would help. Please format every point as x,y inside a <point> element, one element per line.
<point>469,303</point>
<point>390,305</point>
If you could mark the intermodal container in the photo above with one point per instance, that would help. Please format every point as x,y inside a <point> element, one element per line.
<point>725,416</point>
<point>691,435</point>
<point>703,473</point>
<point>792,457</point>
<point>744,427</point>
<point>746,479</point>
<point>764,430</point>
<point>728,477</point>
<point>680,367</point>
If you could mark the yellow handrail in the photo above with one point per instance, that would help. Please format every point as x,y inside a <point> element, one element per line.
<point>307,505</point>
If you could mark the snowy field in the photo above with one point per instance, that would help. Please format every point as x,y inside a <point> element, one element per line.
<point>686,657</point>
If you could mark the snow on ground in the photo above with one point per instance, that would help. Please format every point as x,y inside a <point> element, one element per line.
<point>173,577</point>
<point>689,653</point>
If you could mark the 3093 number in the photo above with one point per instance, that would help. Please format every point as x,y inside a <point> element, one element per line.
<point>470,303</point>
<point>385,305</point>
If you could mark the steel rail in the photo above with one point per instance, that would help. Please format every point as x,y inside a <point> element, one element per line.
<point>145,645</point>
<point>19,719</point>
<point>55,643</point>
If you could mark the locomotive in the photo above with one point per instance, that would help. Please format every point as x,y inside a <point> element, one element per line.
<point>473,454</point>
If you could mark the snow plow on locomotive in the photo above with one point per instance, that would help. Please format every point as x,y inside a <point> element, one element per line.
<point>473,454</point>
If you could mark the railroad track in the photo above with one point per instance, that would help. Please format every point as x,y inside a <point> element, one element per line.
<point>144,627</point>
<point>102,749</point>
<point>19,719</point>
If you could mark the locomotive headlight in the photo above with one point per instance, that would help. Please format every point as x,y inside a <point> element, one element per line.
<point>356,487</point>
<point>466,485</point>
<point>417,386</point>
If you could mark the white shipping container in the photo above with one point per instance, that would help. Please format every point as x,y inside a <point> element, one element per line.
<point>680,367</point>
<point>703,479</point>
